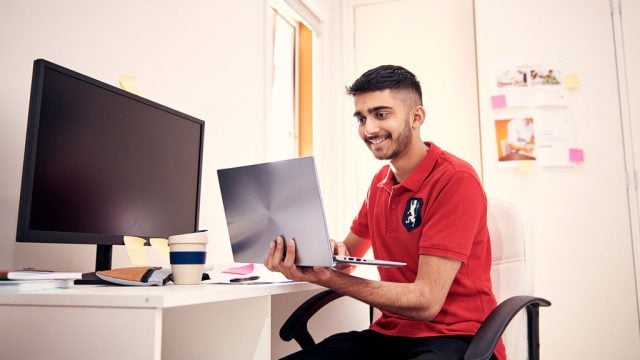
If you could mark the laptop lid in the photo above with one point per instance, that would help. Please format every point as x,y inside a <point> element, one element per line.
<point>262,201</point>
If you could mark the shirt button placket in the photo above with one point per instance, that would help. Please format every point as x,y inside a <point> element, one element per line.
<point>392,219</point>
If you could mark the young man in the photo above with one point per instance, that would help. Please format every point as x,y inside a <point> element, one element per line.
<point>426,208</point>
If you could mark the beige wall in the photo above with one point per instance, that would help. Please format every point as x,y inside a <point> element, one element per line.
<point>209,59</point>
<point>204,58</point>
<point>627,28</point>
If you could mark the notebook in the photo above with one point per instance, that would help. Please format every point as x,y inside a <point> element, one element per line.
<point>262,201</point>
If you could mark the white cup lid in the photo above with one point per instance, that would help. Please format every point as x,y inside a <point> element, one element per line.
<point>199,237</point>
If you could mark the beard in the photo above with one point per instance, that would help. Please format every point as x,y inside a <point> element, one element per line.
<point>399,143</point>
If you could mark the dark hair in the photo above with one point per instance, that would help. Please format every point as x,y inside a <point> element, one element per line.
<point>386,77</point>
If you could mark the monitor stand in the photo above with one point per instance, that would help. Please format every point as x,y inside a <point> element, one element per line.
<point>103,257</point>
<point>103,262</point>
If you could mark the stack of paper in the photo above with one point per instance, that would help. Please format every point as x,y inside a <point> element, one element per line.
<point>34,280</point>
<point>29,274</point>
<point>8,286</point>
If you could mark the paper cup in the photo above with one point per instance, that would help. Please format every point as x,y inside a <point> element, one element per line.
<point>187,255</point>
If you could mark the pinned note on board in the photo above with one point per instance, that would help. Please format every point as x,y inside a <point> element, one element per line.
<point>571,81</point>
<point>498,101</point>
<point>525,166</point>
<point>576,155</point>
<point>128,83</point>
<point>136,251</point>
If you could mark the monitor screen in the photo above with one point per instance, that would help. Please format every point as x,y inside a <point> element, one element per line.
<point>101,163</point>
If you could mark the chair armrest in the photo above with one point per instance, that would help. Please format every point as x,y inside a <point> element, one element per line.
<point>295,327</point>
<point>484,342</point>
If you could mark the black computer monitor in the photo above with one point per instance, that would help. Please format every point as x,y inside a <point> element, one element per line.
<point>101,163</point>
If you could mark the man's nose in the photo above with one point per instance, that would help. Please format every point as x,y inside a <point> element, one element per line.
<point>371,127</point>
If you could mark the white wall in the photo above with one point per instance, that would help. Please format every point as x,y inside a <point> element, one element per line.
<point>627,31</point>
<point>631,33</point>
<point>435,40</point>
<point>202,57</point>
<point>583,253</point>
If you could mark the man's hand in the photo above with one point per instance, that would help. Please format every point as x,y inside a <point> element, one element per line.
<point>339,248</point>
<point>281,258</point>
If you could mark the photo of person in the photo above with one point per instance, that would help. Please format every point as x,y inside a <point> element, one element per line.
<point>517,77</point>
<point>543,77</point>
<point>515,139</point>
<point>528,75</point>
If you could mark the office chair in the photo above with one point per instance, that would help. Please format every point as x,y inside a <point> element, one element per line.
<point>512,280</point>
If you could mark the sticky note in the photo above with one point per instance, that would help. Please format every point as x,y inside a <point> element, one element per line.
<point>135,249</point>
<point>128,83</point>
<point>498,101</point>
<point>240,270</point>
<point>161,247</point>
<point>525,164</point>
<point>576,155</point>
<point>571,81</point>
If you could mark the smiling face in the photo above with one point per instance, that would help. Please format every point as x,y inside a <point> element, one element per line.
<point>388,122</point>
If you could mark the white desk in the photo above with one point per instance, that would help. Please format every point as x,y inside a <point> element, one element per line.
<point>169,322</point>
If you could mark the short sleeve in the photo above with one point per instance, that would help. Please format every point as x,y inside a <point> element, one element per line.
<point>360,225</point>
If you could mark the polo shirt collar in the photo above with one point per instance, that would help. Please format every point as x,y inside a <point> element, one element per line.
<point>415,180</point>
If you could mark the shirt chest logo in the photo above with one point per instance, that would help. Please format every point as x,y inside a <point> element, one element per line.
<point>412,217</point>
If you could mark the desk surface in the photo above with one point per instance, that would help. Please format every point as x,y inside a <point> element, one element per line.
<point>148,296</point>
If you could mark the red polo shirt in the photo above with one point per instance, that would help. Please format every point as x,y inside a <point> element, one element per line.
<point>441,210</point>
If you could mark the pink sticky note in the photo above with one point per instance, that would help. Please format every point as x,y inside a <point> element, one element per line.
<point>240,270</point>
<point>576,155</point>
<point>498,101</point>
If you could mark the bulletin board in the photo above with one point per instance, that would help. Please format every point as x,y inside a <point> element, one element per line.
<point>530,103</point>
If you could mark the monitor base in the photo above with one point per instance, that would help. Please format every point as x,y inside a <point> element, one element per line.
<point>90,278</point>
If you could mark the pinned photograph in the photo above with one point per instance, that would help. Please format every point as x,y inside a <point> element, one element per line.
<point>526,75</point>
<point>513,77</point>
<point>515,139</point>
<point>539,76</point>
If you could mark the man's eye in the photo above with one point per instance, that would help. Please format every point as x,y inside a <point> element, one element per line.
<point>382,115</point>
<point>360,120</point>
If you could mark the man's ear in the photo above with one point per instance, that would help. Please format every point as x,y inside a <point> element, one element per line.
<point>419,116</point>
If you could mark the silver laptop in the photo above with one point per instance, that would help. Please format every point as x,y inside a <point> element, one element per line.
<point>265,200</point>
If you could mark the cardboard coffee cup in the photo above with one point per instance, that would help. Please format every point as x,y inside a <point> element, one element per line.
<point>187,255</point>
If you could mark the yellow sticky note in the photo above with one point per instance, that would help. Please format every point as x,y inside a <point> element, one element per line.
<point>525,165</point>
<point>135,249</point>
<point>161,247</point>
<point>128,83</point>
<point>571,81</point>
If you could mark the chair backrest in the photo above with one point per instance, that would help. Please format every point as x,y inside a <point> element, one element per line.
<point>512,267</point>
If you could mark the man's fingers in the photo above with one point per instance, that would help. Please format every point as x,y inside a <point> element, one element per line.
<point>275,254</point>
<point>267,259</point>
<point>342,249</point>
<point>333,246</point>
<point>290,255</point>
<point>278,254</point>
